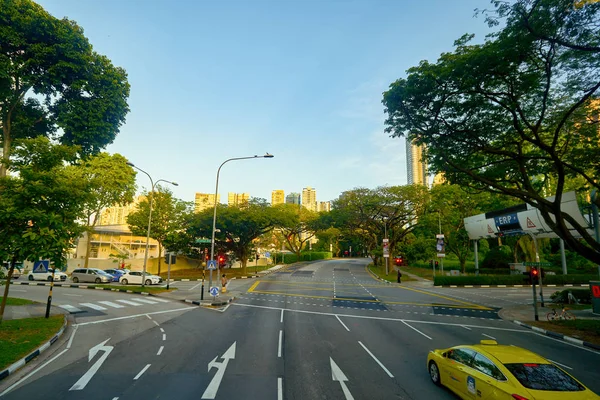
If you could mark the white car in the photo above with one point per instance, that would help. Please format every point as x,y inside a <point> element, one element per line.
<point>135,277</point>
<point>47,276</point>
<point>4,273</point>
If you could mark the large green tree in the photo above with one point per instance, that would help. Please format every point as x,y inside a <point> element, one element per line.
<point>40,206</point>
<point>168,214</point>
<point>111,182</point>
<point>512,113</point>
<point>296,226</point>
<point>53,84</point>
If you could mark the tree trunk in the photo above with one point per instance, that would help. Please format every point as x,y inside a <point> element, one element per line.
<point>88,242</point>
<point>6,142</point>
<point>159,257</point>
<point>6,287</point>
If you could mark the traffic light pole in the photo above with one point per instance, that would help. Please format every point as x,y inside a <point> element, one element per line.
<point>537,260</point>
<point>535,307</point>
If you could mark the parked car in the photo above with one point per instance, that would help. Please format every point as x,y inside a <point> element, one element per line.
<point>47,276</point>
<point>90,275</point>
<point>489,370</point>
<point>116,273</point>
<point>4,272</point>
<point>135,277</point>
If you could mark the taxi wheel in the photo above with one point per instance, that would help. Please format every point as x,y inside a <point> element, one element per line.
<point>434,373</point>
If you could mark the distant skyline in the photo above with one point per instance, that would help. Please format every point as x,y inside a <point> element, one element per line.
<point>302,80</point>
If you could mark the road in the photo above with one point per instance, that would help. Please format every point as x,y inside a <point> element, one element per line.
<point>322,330</point>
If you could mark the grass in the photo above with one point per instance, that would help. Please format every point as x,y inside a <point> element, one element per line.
<point>135,288</point>
<point>196,273</point>
<point>13,301</point>
<point>393,275</point>
<point>426,273</point>
<point>584,329</point>
<point>19,337</point>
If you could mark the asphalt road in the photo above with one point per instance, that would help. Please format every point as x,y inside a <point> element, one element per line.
<point>325,330</point>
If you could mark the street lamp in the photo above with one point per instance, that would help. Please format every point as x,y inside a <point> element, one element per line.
<point>212,241</point>
<point>149,216</point>
<point>385,219</point>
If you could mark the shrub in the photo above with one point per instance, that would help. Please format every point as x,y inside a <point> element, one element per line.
<point>583,296</point>
<point>510,279</point>
<point>316,255</point>
<point>498,257</point>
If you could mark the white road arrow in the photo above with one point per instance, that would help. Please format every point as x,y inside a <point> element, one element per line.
<point>338,375</point>
<point>213,386</point>
<point>84,380</point>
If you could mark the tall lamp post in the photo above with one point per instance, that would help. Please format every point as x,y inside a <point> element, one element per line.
<point>386,256</point>
<point>153,184</point>
<point>212,241</point>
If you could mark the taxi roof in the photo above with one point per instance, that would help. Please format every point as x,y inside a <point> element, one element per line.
<point>510,354</point>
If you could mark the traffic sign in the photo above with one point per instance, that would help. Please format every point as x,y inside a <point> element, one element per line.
<point>212,264</point>
<point>41,266</point>
<point>537,264</point>
<point>214,291</point>
<point>267,254</point>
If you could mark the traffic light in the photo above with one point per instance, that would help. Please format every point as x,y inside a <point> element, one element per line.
<point>221,260</point>
<point>535,275</point>
<point>437,264</point>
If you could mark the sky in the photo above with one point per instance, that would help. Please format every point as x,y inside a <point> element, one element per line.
<point>299,79</point>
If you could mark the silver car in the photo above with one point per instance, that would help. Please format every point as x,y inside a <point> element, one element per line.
<point>94,275</point>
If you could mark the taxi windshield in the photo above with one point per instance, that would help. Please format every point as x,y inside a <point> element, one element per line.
<point>544,377</point>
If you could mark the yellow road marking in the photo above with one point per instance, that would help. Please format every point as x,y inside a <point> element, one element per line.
<point>253,287</point>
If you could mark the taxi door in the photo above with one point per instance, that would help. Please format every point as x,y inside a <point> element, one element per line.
<point>457,369</point>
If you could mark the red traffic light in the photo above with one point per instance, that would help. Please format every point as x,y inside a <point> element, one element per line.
<point>534,271</point>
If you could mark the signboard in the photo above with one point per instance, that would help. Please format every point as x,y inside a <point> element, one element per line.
<point>537,264</point>
<point>203,241</point>
<point>212,265</point>
<point>267,254</point>
<point>214,291</point>
<point>509,219</point>
<point>386,248</point>
<point>41,266</point>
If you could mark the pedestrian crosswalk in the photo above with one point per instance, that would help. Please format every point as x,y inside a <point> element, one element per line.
<point>104,305</point>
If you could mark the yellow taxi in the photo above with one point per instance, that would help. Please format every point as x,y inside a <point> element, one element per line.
<point>492,371</point>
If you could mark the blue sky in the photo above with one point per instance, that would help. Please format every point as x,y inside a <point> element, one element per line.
<point>303,80</point>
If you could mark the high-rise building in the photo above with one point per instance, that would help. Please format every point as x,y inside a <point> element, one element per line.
<point>237,199</point>
<point>117,215</point>
<point>309,198</point>
<point>416,166</point>
<point>324,206</point>
<point>203,201</point>
<point>292,198</point>
<point>277,197</point>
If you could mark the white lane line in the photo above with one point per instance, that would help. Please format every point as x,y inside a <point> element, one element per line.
<point>462,326</point>
<point>136,316</point>
<point>160,300</point>
<point>146,301</point>
<point>491,337</point>
<point>111,304</point>
<point>338,318</point>
<point>142,372</point>
<point>93,306</point>
<point>279,389</point>
<point>33,372</point>
<point>160,350</point>
<point>162,330</point>
<point>557,363</point>
<point>74,295</point>
<point>416,330</point>
<point>281,319</point>
<point>149,317</point>
<point>156,323</point>
<point>194,287</point>
<point>115,398</point>
<point>280,344</point>
<point>164,336</point>
<point>376,360</point>
<point>71,338</point>
<point>70,308</point>
<point>129,302</point>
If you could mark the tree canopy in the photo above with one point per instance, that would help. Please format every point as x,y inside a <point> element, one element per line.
<point>516,112</point>
<point>53,84</point>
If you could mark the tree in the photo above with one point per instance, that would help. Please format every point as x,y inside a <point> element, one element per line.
<point>508,115</point>
<point>167,217</point>
<point>111,182</point>
<point>53,84</point>
<point>371,214</point>
<point>238,227</point>
<point>40,206</point>
<point>296,224</point>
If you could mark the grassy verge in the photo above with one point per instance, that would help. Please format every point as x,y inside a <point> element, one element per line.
<point>393,275</point>
<point>13,301</point>
<point>19,337</point>
<point>195,273</point>
<point>423,272</point>
<point>135,288</point>
<point>584,329</point>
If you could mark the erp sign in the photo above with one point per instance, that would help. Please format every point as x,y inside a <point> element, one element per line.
<point>508,219</point>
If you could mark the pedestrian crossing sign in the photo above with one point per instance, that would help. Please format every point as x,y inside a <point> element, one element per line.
<point>212,264</point>
<point>41,266</point>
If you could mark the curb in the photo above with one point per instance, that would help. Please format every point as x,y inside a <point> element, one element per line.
<point>82,287</point>
<point>21,363</point>
<point>517,286</point>
<point>560,336</point>
<point>205,304</point>
<point>375,276</point>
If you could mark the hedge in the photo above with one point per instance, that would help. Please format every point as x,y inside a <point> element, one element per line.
<point>316,255</point>
<point>511,279</point>
<point>584,296</point>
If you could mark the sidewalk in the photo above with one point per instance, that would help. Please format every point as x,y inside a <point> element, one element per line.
<point>525,313</point>
<point>31,311</point>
